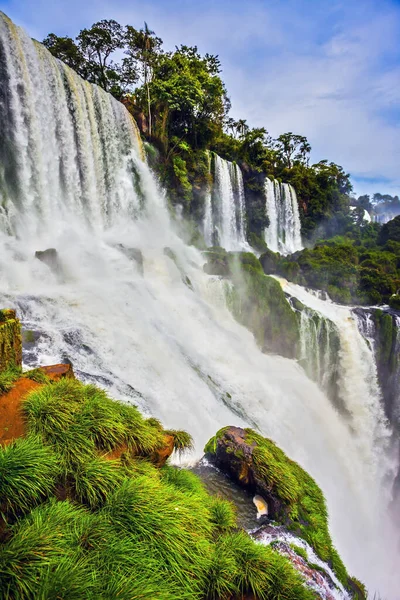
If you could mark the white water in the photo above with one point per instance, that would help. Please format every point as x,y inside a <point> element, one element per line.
<point>284,231</point>
<point>79,185</point>
<point>228,206</point>
<point>321,587</point>
<point>318,354</point>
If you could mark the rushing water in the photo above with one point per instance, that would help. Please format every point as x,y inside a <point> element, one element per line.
<point>73,178</point>
<point>225,210</point>
<point>284,231</point>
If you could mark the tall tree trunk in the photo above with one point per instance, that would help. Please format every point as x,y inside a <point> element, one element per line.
<point>149,109</point>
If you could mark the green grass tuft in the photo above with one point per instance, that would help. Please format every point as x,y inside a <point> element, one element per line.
<point>223,514</point>
<point>38,376</point>
<point>8,378</point>
<point>28,473</point>
<point>183,441</point>
<point>95,480</point>
<point>126,529</point>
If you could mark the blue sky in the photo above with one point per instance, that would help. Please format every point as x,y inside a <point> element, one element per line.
<point>327,69</point>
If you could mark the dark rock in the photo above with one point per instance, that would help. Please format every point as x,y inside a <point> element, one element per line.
<point>50,258</point>
<point>233,454</point>
<point>133,254</point>
<point>269,261</point>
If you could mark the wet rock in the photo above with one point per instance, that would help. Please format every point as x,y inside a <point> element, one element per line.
<point>50,258</point>
<point>133,254</point>
<point>233,454</point>
<point>57,372</point>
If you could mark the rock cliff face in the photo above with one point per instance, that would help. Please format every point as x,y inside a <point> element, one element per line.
<point>10,340</point>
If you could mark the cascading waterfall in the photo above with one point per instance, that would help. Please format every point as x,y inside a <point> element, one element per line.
<point>225,211</point>
<point>319,351</point>
<point>208,226</point>
<point>284,231</point>
<point>73,178</point>
<point>66,147</point>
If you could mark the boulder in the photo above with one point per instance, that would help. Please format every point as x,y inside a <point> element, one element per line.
<point>232,451</point>
<point>50,258</point>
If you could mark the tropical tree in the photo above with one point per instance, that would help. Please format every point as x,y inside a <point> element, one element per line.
<point>292,148</point>
<point>66,50</point>
<point>142,48</point>
<point>98,44</point>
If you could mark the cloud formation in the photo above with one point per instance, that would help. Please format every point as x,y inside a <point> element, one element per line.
<point>326,69</point>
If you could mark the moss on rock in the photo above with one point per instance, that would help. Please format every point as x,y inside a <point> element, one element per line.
<point>10,340</point>
<point>293,497</point>
<point>256,300</point>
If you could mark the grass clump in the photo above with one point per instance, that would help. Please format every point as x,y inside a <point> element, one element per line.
<point>223,514</point>
<point>183,441</point>
<point>77,418</point>
<point>95,480</point>
<point>8,378</point>
<point>255,568</point>
<point>84,527</point>
<point>38,376</point>
<point>28,473</point>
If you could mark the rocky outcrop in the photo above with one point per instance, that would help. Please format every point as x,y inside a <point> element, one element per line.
<point>50,258</point>
<point>294,499</point>
<point>57,372</point>
<point>10,340</point>
<point>232,451</point>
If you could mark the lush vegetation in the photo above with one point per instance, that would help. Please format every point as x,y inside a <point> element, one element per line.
<point>301,504</point>
<point>182,107</point>
<point>81,520</point>
<point>256,301</point>
<point>361,266</point>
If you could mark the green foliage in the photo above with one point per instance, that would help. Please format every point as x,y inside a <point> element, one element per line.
<point>390,232</point>
<point>183,441</point>
<point>301,495</point>
<point>95,480</point>
<point>84,527</point>
<point>8,378</point>
<point>223,515</point>
<point>353,269</point>
<point>300,551</point>
<point>78,418</point>
<point>38,376</point>
<point>300,502</point>
<point>259,569</point>
<point>28,473</point>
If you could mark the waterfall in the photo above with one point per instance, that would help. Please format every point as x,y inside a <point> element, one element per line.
<point>66,146</point>
<point>158,333</point>
<point>319,351</point>
<point>208,226</point>
<point>284,231</point>
<point>228,206</point>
